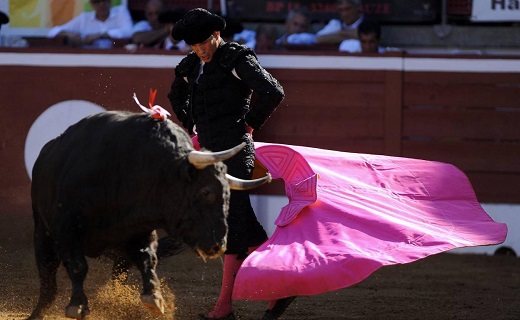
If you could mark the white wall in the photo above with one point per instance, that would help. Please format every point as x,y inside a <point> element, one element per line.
<point>508,214</point>
<point>267,209</point>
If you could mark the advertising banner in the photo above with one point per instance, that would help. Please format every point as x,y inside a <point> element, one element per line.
<point>417,11</point>
<point>495,10</point>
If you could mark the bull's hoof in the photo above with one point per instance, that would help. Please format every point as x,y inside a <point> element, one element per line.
<point>76,312</point>
<point>154,302</point>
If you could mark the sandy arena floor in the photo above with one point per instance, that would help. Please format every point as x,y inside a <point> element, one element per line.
<point>444,286</point>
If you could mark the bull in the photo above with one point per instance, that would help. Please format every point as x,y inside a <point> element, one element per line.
<point>107,183</point>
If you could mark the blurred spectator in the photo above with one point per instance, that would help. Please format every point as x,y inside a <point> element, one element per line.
<point>246,37</point>
<point>265,37</point>
<point>13,42</point>
<point>369,34</point>
<point>297,26</point>
<point>167,19</point>
<point>96,29</point>
<point>150,32</point>
<point>262,38</point>
<point>4,19</point>
<point>337,30</point>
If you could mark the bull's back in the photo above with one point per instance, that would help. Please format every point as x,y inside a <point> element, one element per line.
<point>103,159</point>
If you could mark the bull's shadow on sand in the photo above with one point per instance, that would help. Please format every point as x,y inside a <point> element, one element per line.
<point>444,286</point>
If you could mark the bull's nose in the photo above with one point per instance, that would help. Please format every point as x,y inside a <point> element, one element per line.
<point>218,249</point>
<point>211,252</point>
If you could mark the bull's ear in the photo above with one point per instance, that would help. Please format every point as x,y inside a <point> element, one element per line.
<point>240,184</point>
<point>202,159</point>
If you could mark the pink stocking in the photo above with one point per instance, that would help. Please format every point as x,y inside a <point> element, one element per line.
<point>224,305</point>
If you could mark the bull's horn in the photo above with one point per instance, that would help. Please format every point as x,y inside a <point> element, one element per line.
<point>240,184</point>
<point>200,159</point>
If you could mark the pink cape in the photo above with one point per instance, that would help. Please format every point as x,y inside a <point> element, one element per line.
<point>350,214</point>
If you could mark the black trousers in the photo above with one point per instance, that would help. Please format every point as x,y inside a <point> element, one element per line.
<point>244,229</point>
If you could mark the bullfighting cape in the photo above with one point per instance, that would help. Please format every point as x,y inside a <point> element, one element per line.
<point>350,214</point>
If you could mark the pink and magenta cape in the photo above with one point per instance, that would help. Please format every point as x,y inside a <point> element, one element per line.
<point>350,214</point>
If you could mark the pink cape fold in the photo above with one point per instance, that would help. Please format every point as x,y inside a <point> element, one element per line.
<point>350,214</point>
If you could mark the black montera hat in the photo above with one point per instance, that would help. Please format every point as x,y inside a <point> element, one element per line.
<point>3,18</point>
<point>197,25</point>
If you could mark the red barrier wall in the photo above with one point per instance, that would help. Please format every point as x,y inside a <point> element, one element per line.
<point>396,105</point>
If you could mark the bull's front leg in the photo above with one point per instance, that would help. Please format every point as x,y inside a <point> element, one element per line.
<point>77,268</point>
<point>70,244</point>
<point>141,251</point>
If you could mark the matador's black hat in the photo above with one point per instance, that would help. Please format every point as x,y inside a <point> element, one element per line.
<point>197,25</point>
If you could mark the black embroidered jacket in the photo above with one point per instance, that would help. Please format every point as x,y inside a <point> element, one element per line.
<point>221,100</point>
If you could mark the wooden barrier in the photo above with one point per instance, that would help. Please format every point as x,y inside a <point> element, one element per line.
<point>471,120</point>
<point>352,120</point>
<point>396,105</point>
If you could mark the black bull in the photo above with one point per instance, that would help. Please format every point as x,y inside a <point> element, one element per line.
<point>107,183</point>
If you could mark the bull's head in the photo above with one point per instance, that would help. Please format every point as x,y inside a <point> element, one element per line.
<point>200,160</point>
<point>207,200</point>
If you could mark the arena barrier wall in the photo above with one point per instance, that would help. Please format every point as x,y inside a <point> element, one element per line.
<point>464,110</point>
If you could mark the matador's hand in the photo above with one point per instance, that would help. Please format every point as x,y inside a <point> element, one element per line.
<point>249,130</point>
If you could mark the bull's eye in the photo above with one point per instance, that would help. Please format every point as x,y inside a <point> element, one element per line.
<point>207,195</point>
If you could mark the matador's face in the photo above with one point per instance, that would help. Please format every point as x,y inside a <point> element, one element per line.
<point>207,48</point>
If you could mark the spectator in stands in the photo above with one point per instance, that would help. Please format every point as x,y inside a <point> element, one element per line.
<point>167,19</point>
<point>369,37</point>
<point>96,29</point>
<point>351,15</point>
<point>4,19</point>
<point>297,26</point>
<point>261,39</point>
<point>13,42</point>
<point>265,37</point>
<point>150,32</point>
<point>246,37</point>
